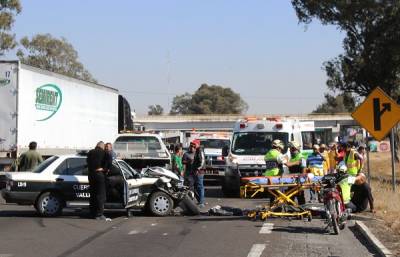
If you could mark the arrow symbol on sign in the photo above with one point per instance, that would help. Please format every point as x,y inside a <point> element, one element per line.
<point>378,112</point>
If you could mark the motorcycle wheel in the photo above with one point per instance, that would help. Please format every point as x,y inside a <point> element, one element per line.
<point>334,217</point>
<point>189,206</point>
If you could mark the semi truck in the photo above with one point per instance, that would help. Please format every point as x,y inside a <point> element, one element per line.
<point>60,113</point>
<point>251,140</point>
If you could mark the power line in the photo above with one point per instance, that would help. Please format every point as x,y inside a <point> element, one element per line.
<point>244,96</point>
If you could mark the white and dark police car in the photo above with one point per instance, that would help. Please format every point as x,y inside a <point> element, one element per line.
<point>62,181</point>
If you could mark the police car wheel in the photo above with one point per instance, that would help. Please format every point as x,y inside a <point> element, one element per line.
<point>160,204</point>
<point>49,204</point>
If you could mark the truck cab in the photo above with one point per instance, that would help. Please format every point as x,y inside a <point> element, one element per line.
<point>212,145</point>
<point>141,150</point>
<point>251,140</point>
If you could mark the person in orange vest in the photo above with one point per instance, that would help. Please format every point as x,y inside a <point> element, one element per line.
<point>332,156</point>
<point>324,153</point>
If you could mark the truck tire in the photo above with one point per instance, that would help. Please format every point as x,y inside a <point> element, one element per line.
<point>160,204</point>
<point>49,204</point>
<point>189,206</point>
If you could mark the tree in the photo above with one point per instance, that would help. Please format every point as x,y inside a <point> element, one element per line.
<point>337,104</point>
<point>209,100</point>
<point>371,45</point>
<point>371,55</point>
<point>53,54</point>
<point>8,10</point>
<point>181,104</point>
<point>155,110</point>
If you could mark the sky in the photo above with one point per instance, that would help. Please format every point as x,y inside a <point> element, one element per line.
<point>153,50</point>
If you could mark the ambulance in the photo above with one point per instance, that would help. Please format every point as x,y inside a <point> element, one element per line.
<point>251,140</point>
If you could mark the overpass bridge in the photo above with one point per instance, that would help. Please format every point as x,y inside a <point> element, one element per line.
<point>225,122</point>
<point>328,127</point>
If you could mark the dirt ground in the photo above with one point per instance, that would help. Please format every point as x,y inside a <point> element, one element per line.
<point>385,223</point>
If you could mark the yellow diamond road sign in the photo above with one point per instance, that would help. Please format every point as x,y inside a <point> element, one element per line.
<point>377,114</point>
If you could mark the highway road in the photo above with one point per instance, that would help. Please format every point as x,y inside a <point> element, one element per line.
<point>23,233</point>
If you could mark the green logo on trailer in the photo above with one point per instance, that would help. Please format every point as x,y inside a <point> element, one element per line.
<point>48,101</point>
<point>4,82</point>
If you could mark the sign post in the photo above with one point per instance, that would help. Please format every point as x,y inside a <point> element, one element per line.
<point>378,114</point>
<point>368,167</point>
<point>393,162</point>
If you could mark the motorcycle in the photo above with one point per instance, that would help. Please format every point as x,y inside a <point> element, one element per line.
<point>335,210</point>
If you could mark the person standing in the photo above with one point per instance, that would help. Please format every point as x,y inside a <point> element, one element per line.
<point>352,159</point>
<point>30,159</point>
<point>177,165</point>
<point>361,150</point>
<point>324,153</point>
<point>315,164</point>
<point>198,169</point>
<point>332,156</point>
<point>274,159</point>
<point>109,149</point>
<point>187,161</point>
<point>98,163</point>
<point>296,165</point>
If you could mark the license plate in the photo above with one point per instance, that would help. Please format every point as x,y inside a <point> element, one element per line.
<point>211,172</point>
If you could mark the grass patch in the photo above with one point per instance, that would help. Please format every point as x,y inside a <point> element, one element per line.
<point>387,204</point>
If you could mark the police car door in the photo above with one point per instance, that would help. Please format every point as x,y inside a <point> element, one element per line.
<point>132,184</point>
<point>71,179</point>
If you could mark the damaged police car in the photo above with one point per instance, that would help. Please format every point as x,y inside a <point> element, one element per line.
<point>62,181</point>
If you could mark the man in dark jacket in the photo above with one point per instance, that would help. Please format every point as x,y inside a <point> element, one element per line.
<point>362,195</point>
<point>194,161</point>
<point>30,159</point>
<point>98,162</point>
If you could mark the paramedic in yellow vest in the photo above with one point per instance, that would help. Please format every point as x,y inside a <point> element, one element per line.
<point>324,153</point>
<point>274,159</point>
<point>352,159</point>
<point>296,165</point>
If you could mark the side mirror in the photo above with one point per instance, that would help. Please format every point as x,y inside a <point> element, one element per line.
<point>225,151</point>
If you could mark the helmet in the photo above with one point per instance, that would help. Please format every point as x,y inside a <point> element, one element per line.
<point>278,143</point>
<point>294,144</point>
<point>342,167</point>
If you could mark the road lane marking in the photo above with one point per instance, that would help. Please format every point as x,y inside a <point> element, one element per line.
<point>133,232</point>
<point>256,250</point>
<point>267,228</point>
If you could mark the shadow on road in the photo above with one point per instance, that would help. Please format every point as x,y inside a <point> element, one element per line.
<point>218,218</point>
<point>301,230</point>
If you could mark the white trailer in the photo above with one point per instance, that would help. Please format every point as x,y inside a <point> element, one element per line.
<point>60,113</point>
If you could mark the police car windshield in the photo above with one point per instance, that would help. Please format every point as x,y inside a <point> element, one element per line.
<point>41,167</point>
<point>214,143</point>
<point>256,143</point>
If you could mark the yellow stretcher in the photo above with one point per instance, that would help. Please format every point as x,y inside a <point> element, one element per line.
<point>284,189</point>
